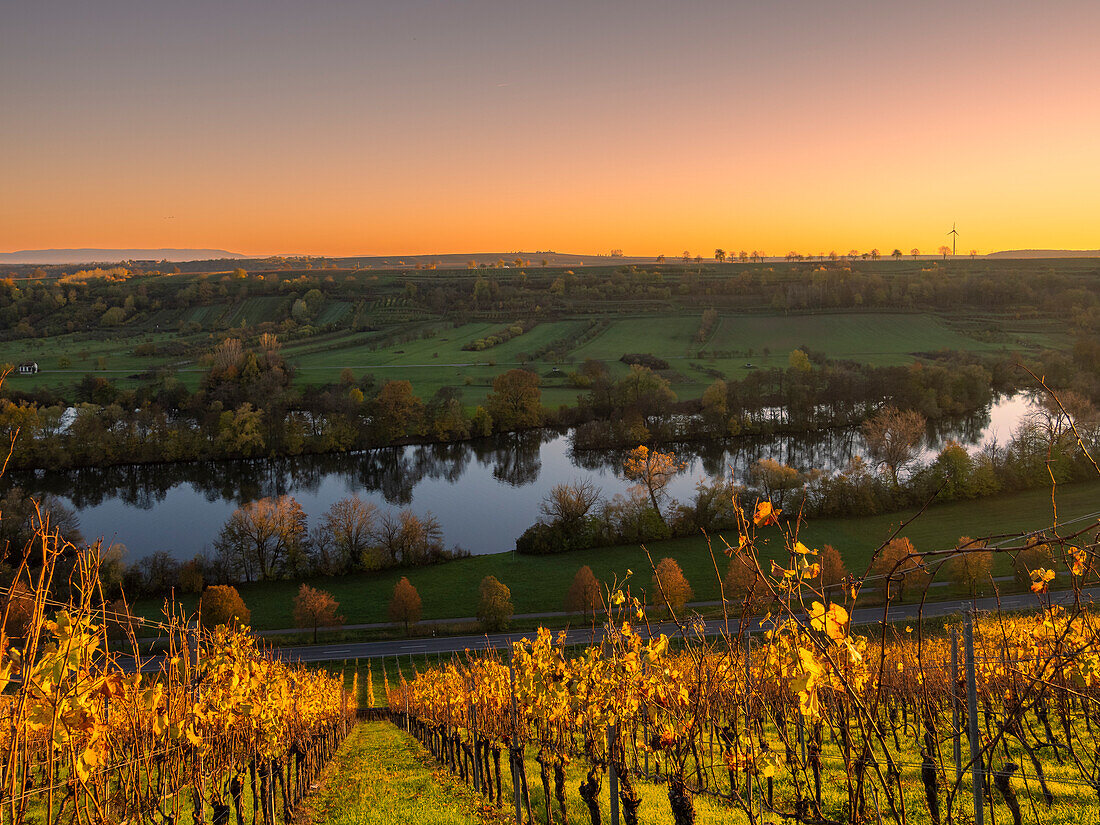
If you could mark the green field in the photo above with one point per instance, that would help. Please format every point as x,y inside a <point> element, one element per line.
<point>429,353</point>
<point>539,583</point>
<point>383,775</point>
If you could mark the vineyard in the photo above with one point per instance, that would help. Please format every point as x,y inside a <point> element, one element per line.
<point>798,718</point>
<point>91,734</point>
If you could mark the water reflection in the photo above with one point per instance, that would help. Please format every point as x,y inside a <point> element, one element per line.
<point>484,492</point>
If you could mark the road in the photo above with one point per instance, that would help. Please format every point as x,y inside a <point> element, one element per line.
<point>449,644</point>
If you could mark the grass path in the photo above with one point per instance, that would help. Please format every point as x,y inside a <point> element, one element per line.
<point>382,776</point>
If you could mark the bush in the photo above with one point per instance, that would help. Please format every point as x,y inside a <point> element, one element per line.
<point>645,359</point>
<point>543,539</point>
<point>222,604</point>
<point>494,607</point>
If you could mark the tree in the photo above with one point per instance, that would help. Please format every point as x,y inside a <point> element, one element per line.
<point>240,431</point>
<point>315,608</point>
<point>516,400</point>
<point>899,562</point>
<point>645,392</point>
<point>833,570</point>
<point>742,584</point>
<point>405,604</point>
<point>221,604</point>
<point>653,471</point>
<point>720,255</point>
<point>17,610</point>
<point>915,253</point>
<point>396,412</point>
<point>799,361</point>
<point>494,606</point>
<point>349,524</point>
<point>892,437</point>
<point>1037,554</point>
<point>897,253</point>
<point>776,479</point>
<point>584,595</point>
<point>971,566</point>
<point>670,585</point>
<point>569,504</point>
<point>945,251</point>
<point>406,538</point>
<point>263,536</point>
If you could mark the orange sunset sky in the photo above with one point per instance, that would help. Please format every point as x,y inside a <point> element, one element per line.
<point>421,126</point>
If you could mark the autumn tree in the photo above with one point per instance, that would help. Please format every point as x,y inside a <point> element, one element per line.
<point>516,400</point>
<point>396,412</point>
<point>653,471</point>
<point>945,251</point>
<point>315,608</point>
<point>1037,554</point>
<point>776,479</point>
<point>17,610</point>
<point>263,537</point>
<point>892,437</point>
<point>584,595</point>
<point>742,584</point>
<point>972,565</point>
<point>670,585</point>
<point>799,361</point>
<point>405,604</point>
<point>833,570</point>
<point>900,566</point>
<point>222,604</point>
<point>494,605</point>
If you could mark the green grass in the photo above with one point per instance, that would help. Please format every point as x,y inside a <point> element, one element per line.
<point>539,583</point>
<point>380,776</point>
<point>383,775</point>
<point>877,338</point>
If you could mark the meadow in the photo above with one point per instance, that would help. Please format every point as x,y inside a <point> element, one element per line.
<point>381,323</point>
<point>539,584</point>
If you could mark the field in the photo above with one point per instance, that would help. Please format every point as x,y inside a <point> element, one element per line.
<point>367,323</point>
<point>539,583</point>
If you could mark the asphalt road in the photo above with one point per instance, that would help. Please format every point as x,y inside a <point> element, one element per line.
<point>450,644</point>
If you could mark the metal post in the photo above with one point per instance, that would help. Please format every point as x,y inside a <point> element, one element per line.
<point>956,736</point>
<point>748,724</point>
<point>613,775</point>
<point>516,789</point>
<point>473,742</point>
<point>976,763</point>
<point>802,737</point>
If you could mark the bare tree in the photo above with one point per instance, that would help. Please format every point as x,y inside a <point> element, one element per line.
<point>569,504</point>
<point>892,437</point>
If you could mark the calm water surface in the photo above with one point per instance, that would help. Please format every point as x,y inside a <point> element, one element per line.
<point>484,494</point>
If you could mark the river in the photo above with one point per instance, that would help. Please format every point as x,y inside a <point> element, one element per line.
<point>483,493</point>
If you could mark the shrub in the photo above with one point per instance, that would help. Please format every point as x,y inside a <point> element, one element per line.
<point>222,604</point>
<point>494,607</point>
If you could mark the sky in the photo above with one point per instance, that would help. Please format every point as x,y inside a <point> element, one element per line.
<point>433,126</point>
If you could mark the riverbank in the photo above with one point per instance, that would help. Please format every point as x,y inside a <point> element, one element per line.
<point>539,583</point>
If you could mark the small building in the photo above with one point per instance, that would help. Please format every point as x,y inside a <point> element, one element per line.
<point>29,368</point>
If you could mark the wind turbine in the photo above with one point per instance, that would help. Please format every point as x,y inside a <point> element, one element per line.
<point>954,238</point>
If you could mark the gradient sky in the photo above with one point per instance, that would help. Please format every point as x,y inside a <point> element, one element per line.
<point>430,126</point>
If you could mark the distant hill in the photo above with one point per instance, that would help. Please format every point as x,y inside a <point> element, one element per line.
<point>110,256</point>
<point>452,260</point>
<point>1046,253</point>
